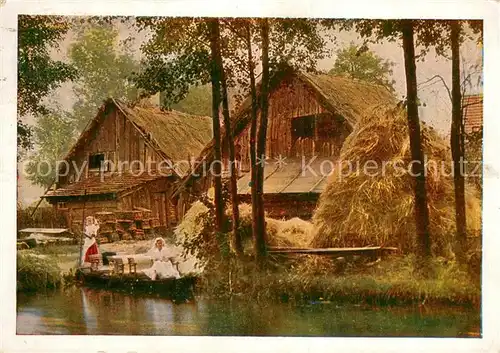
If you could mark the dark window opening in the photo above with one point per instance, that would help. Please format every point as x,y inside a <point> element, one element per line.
<point>327,128</point>
<point>303,127</point>
<point>96,160</point>
<point>62,205</point>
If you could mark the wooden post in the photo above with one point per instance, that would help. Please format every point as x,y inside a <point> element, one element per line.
<point>83,227</point>
<point>167,210</point>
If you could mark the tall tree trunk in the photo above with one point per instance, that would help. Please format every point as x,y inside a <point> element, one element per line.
<point>235,239</point>
<point>260,241</point>
<point>456,142</point>
<point>215,79</point>
<point>418,167</point>
<point>253,135</point>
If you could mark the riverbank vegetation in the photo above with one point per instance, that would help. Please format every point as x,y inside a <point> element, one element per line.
<point>305,278</point>
<point>392,281</point>
<point>37,272</point>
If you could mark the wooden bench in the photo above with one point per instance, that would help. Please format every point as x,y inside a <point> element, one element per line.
<point>95,262</point>
<point>132,265</point>
<point>117,265</point>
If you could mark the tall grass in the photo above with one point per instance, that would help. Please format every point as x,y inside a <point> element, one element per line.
<point>36,273</point>
<point>393,281</point>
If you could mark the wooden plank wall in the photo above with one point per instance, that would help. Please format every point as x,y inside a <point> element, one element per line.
<point>154,196</point>
<point>75,211</point>
<point>290,100</point>
<point>120,141</point>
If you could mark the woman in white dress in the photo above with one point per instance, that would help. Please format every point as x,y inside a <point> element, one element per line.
<point>163,259</point>
<point>90,245</point>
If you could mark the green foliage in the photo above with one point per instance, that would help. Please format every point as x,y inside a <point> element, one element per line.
<point>35,272</point>
<point>38,74</point>
<point>354,62</point>
<point>296,42</point>
<point>197,235</point>
<point>198,101</point>
<point>104,65</point>
<point>177,56</point>
<point>428,33</point>
<point>391,281</point>
<point>53,136</point>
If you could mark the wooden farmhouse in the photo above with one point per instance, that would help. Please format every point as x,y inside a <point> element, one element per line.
<point>129,158</point>
<point>310,116</point>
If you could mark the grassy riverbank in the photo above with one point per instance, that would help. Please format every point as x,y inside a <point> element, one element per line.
<point>392,281</point>
<point>46,267</point>
<point>37,272</point>
<point>302,279</point>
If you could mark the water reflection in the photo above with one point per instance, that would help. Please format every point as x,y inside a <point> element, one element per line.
<point>96,312</point>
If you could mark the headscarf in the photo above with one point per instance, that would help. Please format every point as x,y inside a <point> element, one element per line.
<point>91,226</point>
<point>164,244</point>
<point>168,252</point>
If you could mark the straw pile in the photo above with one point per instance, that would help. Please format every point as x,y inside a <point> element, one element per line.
<point>291,233</point>
<point>377,208</point>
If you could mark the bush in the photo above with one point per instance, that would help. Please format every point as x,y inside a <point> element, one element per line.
<point>36,272</point>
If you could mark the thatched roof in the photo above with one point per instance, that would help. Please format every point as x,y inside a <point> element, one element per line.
<point>346,97</point>
<point>172,134</point>
<point>342,96</point>
<point>177,134</point>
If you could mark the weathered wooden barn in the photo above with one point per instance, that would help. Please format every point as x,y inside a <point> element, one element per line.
<point>310,116</point>
<point>129,157</point>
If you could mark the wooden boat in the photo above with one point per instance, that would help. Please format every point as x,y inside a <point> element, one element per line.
<point>138,283</point>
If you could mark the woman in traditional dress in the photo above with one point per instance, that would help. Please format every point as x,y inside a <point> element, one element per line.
<point>90,245</point>
<point>163,260</point>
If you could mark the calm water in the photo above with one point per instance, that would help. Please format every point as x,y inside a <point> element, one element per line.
<point>82,311</point>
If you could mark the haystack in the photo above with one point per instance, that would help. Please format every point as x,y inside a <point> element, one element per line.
<point>273,226</point>
<point>362,207</point>
<point>290,233</point>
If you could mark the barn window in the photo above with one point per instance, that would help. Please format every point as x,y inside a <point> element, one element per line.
<point>303,127</point>
<point>62,205</point>
<point>96,160</point>
<point>327,127</point>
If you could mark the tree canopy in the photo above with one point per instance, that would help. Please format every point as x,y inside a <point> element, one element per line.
<point>198,101</point>
<point>354,62</point>
<point>104,65</point>
<point>52,135</point>
<point>38,74</point>
<point>177,55</point>
<point>104,68</point>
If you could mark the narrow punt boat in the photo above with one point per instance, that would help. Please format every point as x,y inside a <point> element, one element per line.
<point>139,283</point>
<point>115,277</point>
